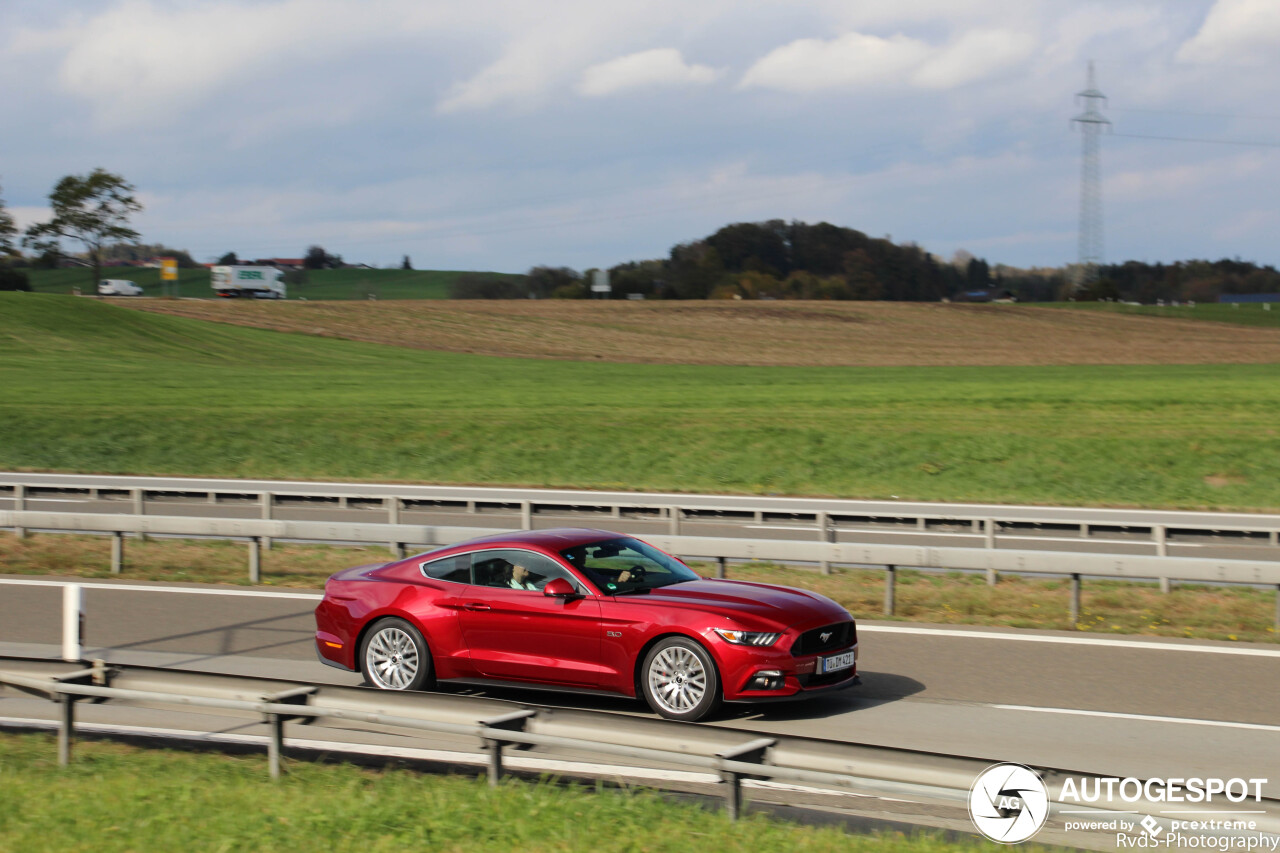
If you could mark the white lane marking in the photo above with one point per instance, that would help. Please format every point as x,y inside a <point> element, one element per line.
<point>125,587</point>
<point>1145,718</point>
<point>1071,641</point>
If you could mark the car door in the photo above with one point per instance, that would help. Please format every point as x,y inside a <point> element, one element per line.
<point>522,634</point>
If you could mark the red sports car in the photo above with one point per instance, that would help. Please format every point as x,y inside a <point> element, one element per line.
<point>584,610</point>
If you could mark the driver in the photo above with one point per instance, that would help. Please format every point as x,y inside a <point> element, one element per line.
<point>520,578</point>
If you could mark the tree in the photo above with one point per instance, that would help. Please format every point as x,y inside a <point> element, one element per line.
<point>546,281</point>
<point>318,259</point>
<point>93,210</point>
<point>8,231</point>
<point>228,260</point>
<point>406,264</point>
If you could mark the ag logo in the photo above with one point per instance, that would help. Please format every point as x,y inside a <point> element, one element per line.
<point>1008,803</point>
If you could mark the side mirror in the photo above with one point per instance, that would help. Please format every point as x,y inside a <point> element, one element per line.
<point>560,588</point>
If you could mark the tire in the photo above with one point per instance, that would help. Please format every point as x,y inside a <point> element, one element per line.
<point>679,680</point>
<point>394,656</point>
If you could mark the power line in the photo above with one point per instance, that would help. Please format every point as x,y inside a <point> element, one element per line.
<point>1194,139</point>
<point>1195,114</point>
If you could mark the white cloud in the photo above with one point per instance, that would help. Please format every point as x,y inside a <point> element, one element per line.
<point>139,59</point>
<point>1237,31</point>
<point>662,66</point>
<point>855,60</point>
<point>974,56</point>
<point>849,61</point>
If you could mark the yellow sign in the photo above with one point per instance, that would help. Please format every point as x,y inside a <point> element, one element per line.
<point>168,269</point>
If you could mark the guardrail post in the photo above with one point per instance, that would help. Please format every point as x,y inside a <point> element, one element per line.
<point>1275,538</point>
<point>890,577</point>
<point>255,560</point>
<point>615,511</point>
<point>1075,600</point>
<point>526,515</point>
<point>275,743</point>
<point>1278,608</point>
<point>275,722</point>
<point>752,752</point>
<point>720,567</point>
<point>139,507</point>
<point>117,552</point>
<point>393,517</point>
<point>1160,534</point>
<point>824,535</point>
<point>72,621</point>
<point>66,728</point>
<point>673,517</point>
<point>20,504</point>
<point>1084,531</point>
<point>993,577</point>
<point>513,722</point>
<point>267,499</point>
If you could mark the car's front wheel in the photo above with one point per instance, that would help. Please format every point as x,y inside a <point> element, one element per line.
<point>394,656</point>
<point>679,680</point>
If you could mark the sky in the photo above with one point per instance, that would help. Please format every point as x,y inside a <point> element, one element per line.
<point>499,135</point>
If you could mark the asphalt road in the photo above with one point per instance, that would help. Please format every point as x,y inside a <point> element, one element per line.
<point>1104,705</point>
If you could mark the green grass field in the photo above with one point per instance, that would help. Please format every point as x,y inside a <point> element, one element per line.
<point>1242,313</point>
<point>121,798</point>
<point>321,284</point>
<point>86,386</point>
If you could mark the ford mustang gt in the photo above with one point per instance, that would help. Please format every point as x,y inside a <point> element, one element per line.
<point>584,610</point>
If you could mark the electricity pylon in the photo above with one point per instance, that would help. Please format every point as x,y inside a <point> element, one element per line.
<point>1091,123</point>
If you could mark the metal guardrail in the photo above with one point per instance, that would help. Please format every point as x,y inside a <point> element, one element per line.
<point>990,560</point>
<point>730,755</point>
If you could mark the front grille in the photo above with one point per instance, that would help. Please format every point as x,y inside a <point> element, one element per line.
<point>842,635</point>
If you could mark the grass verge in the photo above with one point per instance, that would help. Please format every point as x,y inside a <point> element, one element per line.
<point>1108,607</point>
<point>120,798</point>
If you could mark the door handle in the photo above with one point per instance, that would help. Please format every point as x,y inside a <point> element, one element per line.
<point>476,606</point>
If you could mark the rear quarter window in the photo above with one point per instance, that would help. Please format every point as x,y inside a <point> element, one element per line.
<point>453,569</point>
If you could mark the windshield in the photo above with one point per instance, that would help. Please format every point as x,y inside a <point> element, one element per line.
<point>625,565</point>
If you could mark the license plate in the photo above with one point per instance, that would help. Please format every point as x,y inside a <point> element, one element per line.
<point>844,660</point>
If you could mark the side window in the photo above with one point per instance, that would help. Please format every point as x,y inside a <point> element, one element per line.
<point>517,570</point>
<point>454,569</point>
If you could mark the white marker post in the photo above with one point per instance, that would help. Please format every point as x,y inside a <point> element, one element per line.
<point>72,620</point>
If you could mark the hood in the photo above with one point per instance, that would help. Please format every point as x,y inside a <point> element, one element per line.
<point>754,605</point>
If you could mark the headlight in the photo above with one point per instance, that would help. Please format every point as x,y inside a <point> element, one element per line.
<point>746,638</point>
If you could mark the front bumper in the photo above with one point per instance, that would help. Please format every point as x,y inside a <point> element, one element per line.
<point>798,675</point>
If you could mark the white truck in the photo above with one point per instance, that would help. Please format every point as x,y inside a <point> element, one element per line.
<point>118,287</point>
<point>249,282</point>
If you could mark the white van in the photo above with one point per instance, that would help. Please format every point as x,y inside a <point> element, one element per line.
<point>118,287</point>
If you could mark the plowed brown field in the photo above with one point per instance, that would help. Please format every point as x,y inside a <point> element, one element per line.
<point>756,333</point>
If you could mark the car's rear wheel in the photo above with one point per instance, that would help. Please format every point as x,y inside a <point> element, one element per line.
<point>679,680</point>
<point>394,656</point>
